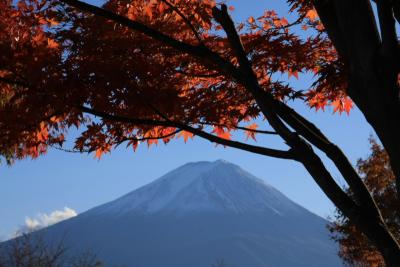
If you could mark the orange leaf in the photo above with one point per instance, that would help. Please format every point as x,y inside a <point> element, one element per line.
<point>221,133</point>
<point>312,14</point>
<point>149,12</point>
<point>53,22</point>
<point>293,73</point>
<point>318,101</point>
<point>251,20</point>
<point>152,141</point>
<point>43,134</point>
<point>134,144</point>
<point>186,135</point>
<point>161,8</point>
<point>281,22</point>
<point>251,134</point>
<point>51,43</point>
<point>347,105</point>
<point>337,106</point>
<point>38,39</point>
<point>99,153</point>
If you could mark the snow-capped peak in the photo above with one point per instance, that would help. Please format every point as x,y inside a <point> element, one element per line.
<point>218,186</point>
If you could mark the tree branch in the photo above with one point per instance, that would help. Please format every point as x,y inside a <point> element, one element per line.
<point>325,181</point>
<point>312,134</point>
<point>248,77</point>
<point>303,151</point>
<point>185,19</point>
<point>200,51</point>
<point>239,128</point>
<point>196,131</point>
<point>140,139</point>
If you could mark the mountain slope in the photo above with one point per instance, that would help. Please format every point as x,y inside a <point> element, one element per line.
<point>196,214</point>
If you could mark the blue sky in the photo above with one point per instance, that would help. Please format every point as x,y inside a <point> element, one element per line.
<point>80,182</point>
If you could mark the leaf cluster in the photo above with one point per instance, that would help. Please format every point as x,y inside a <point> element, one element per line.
<point>355,248</point>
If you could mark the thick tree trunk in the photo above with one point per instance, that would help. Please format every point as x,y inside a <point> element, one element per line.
<point>386,123</point>
<point>378,99</point>
<point>372,59</point>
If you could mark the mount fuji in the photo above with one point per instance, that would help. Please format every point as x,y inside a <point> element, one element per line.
<point>196,214</point>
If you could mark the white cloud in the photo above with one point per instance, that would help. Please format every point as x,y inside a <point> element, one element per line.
<point>43,220</point>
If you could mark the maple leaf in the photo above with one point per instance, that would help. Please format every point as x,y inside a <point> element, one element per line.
<point>222,133</point>
<point>293,73</point>
<point>53,22</point>
<point>51,43</point>
<point>41,20</point>
<point>251,133</point>
<point>312,14</point>
<point>281,22</point>
<point>99,153</point>
<point>317,101</point>
<point>42,134</point>
<point>186,135</point>
<point>149,11</point>
<point>342,104</point>
<point>152,141</point>
<point>347,105</point>
<point>134,143</point>
<point>161,7</point>
<point>337,106</point>
<point>251,20</point>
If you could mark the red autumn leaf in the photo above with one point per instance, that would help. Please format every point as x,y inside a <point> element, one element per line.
<point>250,133</point>
<point>99,153</point>
<point>312,14</point>
<point>337,106</point>
<point>222,133</point>
<point>161,8</point>
<point>251,20</point>
<point>51,43</point>
<point>89,65</point>
<point>293,73</point>
<point>149,11</point>
<point>347,105</point>
<point>186,135</point>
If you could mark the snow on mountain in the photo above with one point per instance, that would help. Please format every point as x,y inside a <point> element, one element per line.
<point>213,186</point>
<point>196,214</point>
